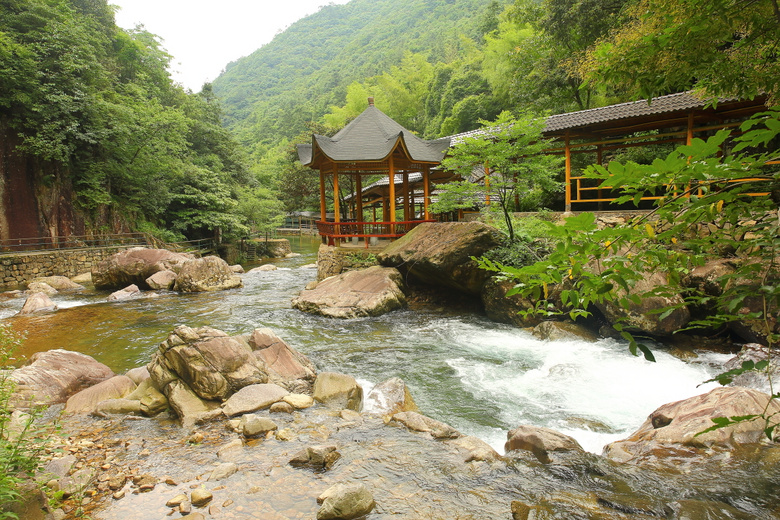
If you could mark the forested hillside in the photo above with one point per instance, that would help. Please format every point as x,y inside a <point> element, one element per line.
<point>306,69</point>
<point>438,67</point>
<point>97,138</point>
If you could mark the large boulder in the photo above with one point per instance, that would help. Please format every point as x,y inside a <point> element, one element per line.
<point>758,379</point>
<point>644,317</point>
<point>208,361</point>
<point>86,401</point>
<point>206,274</point>
<point>338,391</point>
<point>128,293</point>
<point>389,398</point>
<point>678,426</point>
<point>38,302</point>
<point>285,366</point>
<point>367,292</point>
<point>345,502</point>
<point>134,266</point>
<point>161,280</point>
<point>441,254</point>
<point>53,376</point>
<point>540,441</point>
<point>507,309</point>
<point>60,283</point>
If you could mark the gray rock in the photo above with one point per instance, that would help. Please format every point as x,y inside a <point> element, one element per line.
<point>56,468</point>
<point>390,397</point>
<point>206,274</point>
<point>200,497</point>
<point>161,280</point>
<point>59,283</point>
<point>475,449</point>
<point>421,423</point>
<point>223,471</point>
<point>38,302</point>
<point>87,400</point>
<point>41,287</point>
<point>252,425</point>
<point>423,255</point>
<point>677,424</point>
<point>138,374</point>
<point>238,269</point>
<point>134,266</point>
<point>338,391</point>
<point>252,398</point>
<point>563,331</point>
<point>129,292</point>
<point>118,407</point>
<point>366,292</point>
<point>540,441</point>
<point>231,451</point>
<point>77,482</point>
<point>281,407</point>
<point>53,376</point>
<point>345,501</point>
<point>285,366</point>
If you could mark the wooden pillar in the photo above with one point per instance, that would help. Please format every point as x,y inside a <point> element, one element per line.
<point>567,153</point>
<point>405,189</point>
<point>391,195</point>
<point>336,203</point>
<point>599,161</point>
<point>426,191</point>
<point>323,205</point>
<point>359,202</point>
<point>689,134</point>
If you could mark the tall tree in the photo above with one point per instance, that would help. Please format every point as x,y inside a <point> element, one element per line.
<point>718,47</point>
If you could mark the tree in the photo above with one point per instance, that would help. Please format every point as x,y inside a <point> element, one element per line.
<point>717,47</point>
<point>516,171</point>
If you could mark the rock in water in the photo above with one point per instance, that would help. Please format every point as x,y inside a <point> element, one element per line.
<point>540,441</point>
<point>87,400</point>
<point>345,502</point>
<point>338,391</point>
<point>206,274</point>
<point>53,376</point>
<point>677,424</point>
<point>366,292</point>
<point>440,254</point>
<point>38,302</point>
<point>134,266</point>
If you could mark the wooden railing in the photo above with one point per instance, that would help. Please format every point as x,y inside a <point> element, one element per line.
<point>333,230</point>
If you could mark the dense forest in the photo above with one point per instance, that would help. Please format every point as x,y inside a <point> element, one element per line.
<point>96,137</point>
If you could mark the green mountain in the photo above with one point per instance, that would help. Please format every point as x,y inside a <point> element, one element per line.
<point>271,94</point>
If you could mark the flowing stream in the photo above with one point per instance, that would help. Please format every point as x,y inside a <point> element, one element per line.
<point>481,377</point>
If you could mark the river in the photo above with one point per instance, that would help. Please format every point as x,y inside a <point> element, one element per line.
<point>481,377</point>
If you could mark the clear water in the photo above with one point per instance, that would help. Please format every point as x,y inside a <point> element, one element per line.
<point>481,377</point>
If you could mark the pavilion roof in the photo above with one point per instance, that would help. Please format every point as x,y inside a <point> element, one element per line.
<point>371,137</point>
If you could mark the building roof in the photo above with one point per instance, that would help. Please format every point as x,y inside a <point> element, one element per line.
<point>372,136</point>
<point>659,112</point>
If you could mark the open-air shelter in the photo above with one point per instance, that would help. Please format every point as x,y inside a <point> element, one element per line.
<point>373,145</point>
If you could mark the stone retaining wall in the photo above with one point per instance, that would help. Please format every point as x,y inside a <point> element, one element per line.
<point>20,268</point>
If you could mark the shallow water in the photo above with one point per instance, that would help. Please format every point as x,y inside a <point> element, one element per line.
<point>481,377</point>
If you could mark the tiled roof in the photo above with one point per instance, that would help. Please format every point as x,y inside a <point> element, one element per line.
<point>658,105</point>
<point>372,136</point>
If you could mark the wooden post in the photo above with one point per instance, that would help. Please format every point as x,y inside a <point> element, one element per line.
<point>359,202</point>
<point>323,205</point>
<point>405,189</point>
<point>426,191</point>
<point>336,203</point>
<point>567,152</point>
<point>599,161</point>
<point>391,195</point>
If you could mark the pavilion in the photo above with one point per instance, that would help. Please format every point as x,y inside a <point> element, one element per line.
<point>370,147</point>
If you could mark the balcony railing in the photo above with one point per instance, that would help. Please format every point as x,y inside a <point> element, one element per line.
<point>347,229</point>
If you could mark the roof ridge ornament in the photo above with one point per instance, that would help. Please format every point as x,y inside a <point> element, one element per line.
<point>371,101</point>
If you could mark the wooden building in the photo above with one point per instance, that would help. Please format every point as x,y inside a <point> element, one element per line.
<point>368,148</point>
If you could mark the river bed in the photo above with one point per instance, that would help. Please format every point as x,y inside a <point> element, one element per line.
<point>481,377</point>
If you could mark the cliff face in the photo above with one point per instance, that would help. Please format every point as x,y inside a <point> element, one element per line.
<point>36,198</point>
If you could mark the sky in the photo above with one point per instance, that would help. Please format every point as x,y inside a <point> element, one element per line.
<point>204,36</point>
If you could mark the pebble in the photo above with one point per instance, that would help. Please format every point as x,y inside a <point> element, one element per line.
<point>200,497</point>
<point>119,494</point>
<point>176,501</point>
<point>196,438</point>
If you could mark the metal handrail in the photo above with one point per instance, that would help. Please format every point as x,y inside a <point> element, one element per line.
<point>48,243</point>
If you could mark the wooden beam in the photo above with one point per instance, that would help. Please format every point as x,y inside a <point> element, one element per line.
<point>426,191</point>
<point>405,189</point>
